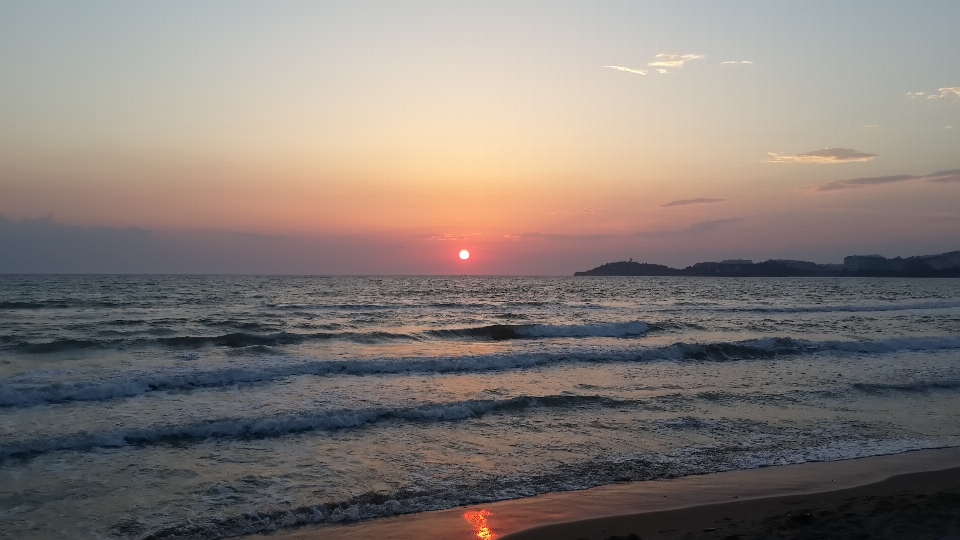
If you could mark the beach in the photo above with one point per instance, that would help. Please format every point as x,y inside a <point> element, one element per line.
<point>911,495</point>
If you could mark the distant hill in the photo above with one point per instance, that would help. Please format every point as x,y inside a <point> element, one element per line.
<point>942,265</point>
<point>630,268</point>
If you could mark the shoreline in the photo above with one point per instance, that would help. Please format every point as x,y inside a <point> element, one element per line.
<point>603,512</point>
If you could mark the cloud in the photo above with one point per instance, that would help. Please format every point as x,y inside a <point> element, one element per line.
<point>673,60</point>
<point>444,237</point>
<point>701,227</point>
<point>942,177</point>
<point>709,226</point>
<point>628,70</point>
<point>947,127</point>
<point>662,71</point>
<point>861,182</point>
<point>825,156</point>
<point>736,62</point>
<point>686,202</point>
<point>531,236</point>
<point>939,177</point>
<point>871,125</point>
<point>939,94</point>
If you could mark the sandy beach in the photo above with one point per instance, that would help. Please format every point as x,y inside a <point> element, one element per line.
<point>910,495</point>
<point>917,505</point>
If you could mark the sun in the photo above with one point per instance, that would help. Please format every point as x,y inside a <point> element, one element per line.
<point>464,254</point>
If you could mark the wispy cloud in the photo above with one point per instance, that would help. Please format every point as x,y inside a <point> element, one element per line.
<point>871,125</point>
<point>445,237</point>
<point>825,156</point>
<point>709,226</point>
<point>702,227</point>
<point>530,236</point>
<point>673,60</point>
<point>939,177</point>
<point>661,70</point>
<point>947,127</point>
<point>685,202</point>
<point>943,177</point>
<point>955,90</point>
<point>628,70</point>
<point>736,62</point>
<point>854,183</point>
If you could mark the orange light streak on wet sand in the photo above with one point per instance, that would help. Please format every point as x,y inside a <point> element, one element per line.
<point>479,522</point>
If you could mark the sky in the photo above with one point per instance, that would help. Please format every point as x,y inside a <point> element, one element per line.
<point>544,137</point>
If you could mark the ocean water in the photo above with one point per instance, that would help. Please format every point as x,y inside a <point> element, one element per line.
<point>208,407</point>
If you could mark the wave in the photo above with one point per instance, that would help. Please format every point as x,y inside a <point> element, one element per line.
<point>283,425</point>
<point>258,428</point>
<point>230,340</point>
<point>918,386</point>
<point>60,345</point>
<point>60,304</point>
<point>624,329</point>
<point>14,304</point>
<point>532,331</point>
<point>932,304</point>
<point>236,340</point>
<point>129,385</point>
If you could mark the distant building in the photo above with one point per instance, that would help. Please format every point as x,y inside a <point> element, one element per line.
<point>736,261</point>
<point>865,263</point>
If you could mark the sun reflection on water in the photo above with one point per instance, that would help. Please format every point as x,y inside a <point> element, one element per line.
<point>479,522</point>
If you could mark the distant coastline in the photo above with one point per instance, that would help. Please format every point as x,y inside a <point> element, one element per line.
<point>942,265</point>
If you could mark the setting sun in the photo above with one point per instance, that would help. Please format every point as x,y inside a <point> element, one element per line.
<point>464,254</point>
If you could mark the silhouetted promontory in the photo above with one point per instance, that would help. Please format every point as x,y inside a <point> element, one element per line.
<point>942,265</point>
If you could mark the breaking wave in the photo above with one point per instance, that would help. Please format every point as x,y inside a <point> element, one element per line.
<point>258,428</point>
<point>532,331</point>
<point>236,340</point>
<point>133,384</point>
<point>232,340</point>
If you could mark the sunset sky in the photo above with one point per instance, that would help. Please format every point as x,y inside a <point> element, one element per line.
<point>544,137</point>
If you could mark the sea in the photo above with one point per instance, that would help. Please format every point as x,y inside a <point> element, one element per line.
<point>204,407</point>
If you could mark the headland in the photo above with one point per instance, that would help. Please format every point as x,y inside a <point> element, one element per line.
<point>921,266</point>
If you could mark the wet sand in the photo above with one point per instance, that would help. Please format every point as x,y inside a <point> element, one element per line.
<point>918,505</point>
<point>791,501</point>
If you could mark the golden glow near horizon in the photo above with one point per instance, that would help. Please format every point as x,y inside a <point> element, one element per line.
<point>561,131</point>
